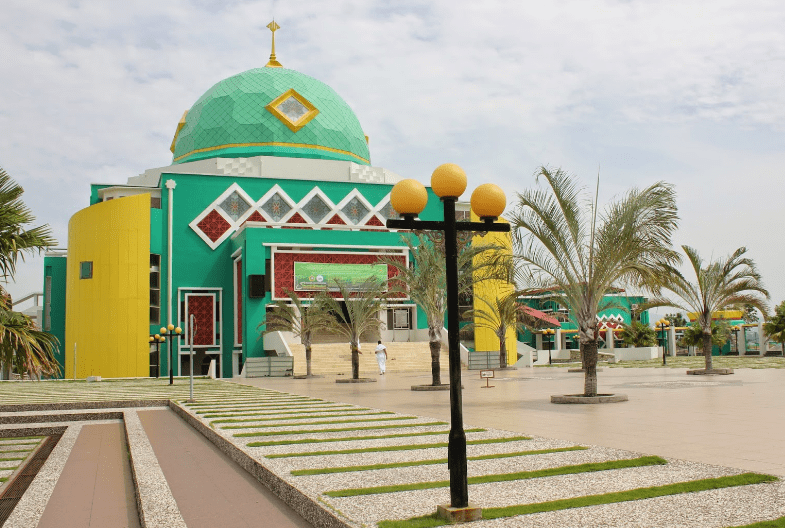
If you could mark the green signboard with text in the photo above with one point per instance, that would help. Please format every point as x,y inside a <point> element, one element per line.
<point>316,276</point>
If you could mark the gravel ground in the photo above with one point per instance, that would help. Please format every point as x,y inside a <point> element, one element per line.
<point>716,508</point>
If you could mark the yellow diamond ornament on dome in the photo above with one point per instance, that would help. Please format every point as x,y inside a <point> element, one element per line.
<point>292,109</point>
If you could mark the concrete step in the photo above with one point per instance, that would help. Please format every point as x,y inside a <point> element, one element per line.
<point>336,359</point>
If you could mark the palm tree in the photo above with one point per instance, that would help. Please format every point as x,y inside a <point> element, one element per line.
<point>637,334</point>
<point>568,246</point>
<point>14,239</point>
<point>358,314</point>
<point>426,284</point>
<point>22,346</point>
<point>693,335</point>
<point>722,283</point>
<point>775,327</point>
<point>303,320</point>
<point>498,315</point>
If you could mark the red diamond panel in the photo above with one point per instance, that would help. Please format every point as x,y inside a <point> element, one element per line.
<point>296,219</point>
<point>201,307</point>
<point>374,222</point>
<point>213,225</point>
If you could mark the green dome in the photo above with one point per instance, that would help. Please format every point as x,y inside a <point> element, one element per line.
<point>270,112</point>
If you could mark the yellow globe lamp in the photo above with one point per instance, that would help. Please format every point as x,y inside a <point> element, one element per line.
<point>161,339</point>
<point>448,181</point>
<point>152,339</point>
<point>178,330</point>
<point>488,201</point>
<point>158,337</point>
<point>408,198</point>
<point>163,330</point>
<point>170,326</point>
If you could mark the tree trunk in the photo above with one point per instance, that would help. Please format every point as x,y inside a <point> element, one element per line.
<point>589,352</point>
<point>435,344</point>
<point>436,373</point>
<point>355,362</point>
<point>503,352</point>
<point>308,361</point>
<point>707,350</point>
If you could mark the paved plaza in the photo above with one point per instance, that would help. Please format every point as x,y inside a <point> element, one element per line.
<point>702,427</point>
<point>736,420</point>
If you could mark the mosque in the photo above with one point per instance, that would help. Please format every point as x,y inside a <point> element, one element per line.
<point>271,188</point>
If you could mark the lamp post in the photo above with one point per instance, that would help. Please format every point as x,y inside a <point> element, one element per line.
<point>735,330</point>
<point>547,333</point>
<point>157,339</point>
<point>409,198</point>
<point>664,323</point>
<point>171,332</point>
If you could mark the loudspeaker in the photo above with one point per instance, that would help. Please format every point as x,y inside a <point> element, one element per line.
<point>256,286</point>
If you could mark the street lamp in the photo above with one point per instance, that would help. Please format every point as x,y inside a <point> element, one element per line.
<point>171,332</point>
<point>409,198</point>
<point>735,330</point>
<point>157,339</point>
<point>547,333</point>
<point>664,323</point>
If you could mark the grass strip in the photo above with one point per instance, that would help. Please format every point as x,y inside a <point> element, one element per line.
<point>302,417</point>
<point>260,401</point>
<point>338,429</point>
<point>11,459</point>
<point>268,407</point>
<point>506,477</point>
<point>348,469</point>
<point>774,523</point>
<point>344,408</point>
<point>351,438</point>
<point>409,447</point>
<point>329,422</point>
<point>691,486</point>
<point>14,438</point>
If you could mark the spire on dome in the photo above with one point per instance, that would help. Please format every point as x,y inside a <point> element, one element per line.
<point>273,62</point>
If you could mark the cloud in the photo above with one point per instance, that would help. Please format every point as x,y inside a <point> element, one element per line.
<point>687,91</point>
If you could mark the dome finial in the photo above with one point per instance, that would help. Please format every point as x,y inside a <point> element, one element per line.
<point>273,62</point>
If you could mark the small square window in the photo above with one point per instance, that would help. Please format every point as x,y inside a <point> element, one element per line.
<point>86,270</point>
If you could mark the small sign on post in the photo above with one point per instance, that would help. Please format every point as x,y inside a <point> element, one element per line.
<point>487,374</point>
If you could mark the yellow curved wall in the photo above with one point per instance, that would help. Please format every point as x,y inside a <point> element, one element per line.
<point>484,338</point>
<point>107,316</point>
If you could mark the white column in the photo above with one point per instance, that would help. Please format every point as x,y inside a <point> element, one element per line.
<point>170,184</point>
<point>741,339</point>
<point>763,340</point>
<point>672,341</point>
<point>609,343</point>
<point>557,340</point>
<point>538,342</point>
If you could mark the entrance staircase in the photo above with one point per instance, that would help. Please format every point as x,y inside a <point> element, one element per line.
<point>335,359</point>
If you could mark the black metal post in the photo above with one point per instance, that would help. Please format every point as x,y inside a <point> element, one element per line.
<point>171,334</point>
<point>548,339</point>
<point>456,447</point>
<point>664,344</point>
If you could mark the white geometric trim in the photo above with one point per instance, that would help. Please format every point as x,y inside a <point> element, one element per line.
<point>295,208</point>
<point>354,193</point>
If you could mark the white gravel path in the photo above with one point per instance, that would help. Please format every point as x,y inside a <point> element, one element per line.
<point>711,509</point>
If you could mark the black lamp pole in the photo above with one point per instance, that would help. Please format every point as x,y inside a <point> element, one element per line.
<point>456,449</point>
<point>170,332</point>
<point>664,342</point>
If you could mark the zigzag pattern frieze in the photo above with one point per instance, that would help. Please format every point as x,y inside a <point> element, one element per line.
<point>234,207</point>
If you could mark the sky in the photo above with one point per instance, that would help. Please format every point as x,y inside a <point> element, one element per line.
<point>688,92</point>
